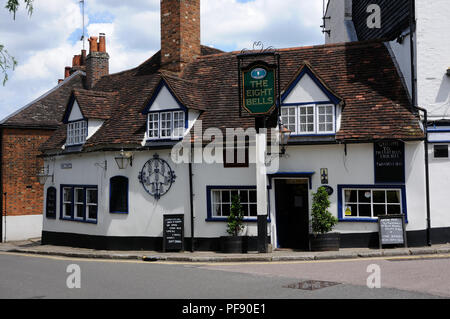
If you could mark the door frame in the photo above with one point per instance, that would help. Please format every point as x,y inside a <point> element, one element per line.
<point>273,212</point>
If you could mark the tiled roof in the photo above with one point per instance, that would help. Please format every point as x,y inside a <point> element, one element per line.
<point>376,105</point>
<point>95,104</point>
<point>47,110</point>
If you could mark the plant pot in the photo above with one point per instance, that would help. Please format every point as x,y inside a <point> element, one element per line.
<point>233,244</point>
<point>324,242</point>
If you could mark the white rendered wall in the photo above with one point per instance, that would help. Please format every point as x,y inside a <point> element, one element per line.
<point>357,168</point>
<point>21,227</point>
<point>433,51</point>
<point>439,189</point>
<point>146,214</point>
<point>401,54</point>
<point>340,24</point>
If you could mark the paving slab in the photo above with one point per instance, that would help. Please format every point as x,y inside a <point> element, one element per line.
<point>34,247</point>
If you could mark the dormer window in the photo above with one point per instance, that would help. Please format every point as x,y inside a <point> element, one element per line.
<point>77,132</point>
<point>309,106</point>
<point>166,125</point>
<point>309,119</point>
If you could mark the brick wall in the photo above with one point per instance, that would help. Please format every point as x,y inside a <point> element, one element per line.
<point>180,33</point>
<point>19,168</point>
<point>97,65</point>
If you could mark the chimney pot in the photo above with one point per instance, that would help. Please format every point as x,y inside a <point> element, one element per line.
<point>67,71</point>
<point>93,45</point>
<point>102,43</point>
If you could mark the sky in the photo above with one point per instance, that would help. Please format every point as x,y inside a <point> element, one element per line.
<point>46,42</point>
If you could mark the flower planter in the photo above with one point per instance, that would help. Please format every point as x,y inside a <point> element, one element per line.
<point>325,242</point>
<point>233,244</point>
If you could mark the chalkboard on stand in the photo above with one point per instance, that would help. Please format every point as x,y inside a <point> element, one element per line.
<point>173,233</point>
<point>392,230</point>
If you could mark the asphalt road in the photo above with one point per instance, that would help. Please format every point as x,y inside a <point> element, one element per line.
<point>27,276</point>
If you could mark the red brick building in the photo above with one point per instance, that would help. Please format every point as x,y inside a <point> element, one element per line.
<point>21,134</point>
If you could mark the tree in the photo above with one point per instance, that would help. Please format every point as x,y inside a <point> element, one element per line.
<point>7,61</point>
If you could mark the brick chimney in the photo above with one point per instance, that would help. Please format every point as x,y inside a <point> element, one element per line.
<point>180,33</point>
<point>97,61</point>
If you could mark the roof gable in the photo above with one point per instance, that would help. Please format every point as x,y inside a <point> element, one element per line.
<point>163,99</point>
<point>307,87</point>
<point>75,113</point>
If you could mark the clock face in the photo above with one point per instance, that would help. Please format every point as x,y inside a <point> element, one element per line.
<point>157,177</point>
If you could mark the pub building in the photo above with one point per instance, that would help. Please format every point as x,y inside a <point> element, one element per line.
<point>351,129</point>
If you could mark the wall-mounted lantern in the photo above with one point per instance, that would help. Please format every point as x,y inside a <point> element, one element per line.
<point>43,174</point>
<point>124,159</point>
<point>284,134</point>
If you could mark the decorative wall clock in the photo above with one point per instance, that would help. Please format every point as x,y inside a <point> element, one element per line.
<point>157,177</point>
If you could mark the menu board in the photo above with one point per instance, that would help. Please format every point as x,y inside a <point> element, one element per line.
<point>173,233</point>
<point>389,162</point>
<point>392,230</point>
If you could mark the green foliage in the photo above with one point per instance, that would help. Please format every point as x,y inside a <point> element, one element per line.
<point>13,5</point>
<point>7,61</point>
<point>322,220</point>
<point>235,222</point>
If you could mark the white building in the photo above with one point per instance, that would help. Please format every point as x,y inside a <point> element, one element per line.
<point>345,105</point>
<point>428,84</point>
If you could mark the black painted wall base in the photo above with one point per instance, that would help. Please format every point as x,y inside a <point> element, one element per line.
<point>360,240</point>
<point>131,243</point>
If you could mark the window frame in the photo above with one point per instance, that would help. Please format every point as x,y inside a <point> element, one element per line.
<point>172,127</point>
<point>210,203</point>
<point>316,116</point>
<point>73,203</point>
<point>342,203</point>
<point>77,132</point>
<point>47,200</point>
<point>122,179</point>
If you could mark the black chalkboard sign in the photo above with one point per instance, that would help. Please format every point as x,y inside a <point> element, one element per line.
<point>173,233</point>
<point>389,158</point>
<point>392,230</point>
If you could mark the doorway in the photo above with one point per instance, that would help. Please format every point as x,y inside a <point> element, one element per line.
<point>292,213</point>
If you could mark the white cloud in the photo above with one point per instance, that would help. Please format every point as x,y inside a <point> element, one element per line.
<point>41,43</point>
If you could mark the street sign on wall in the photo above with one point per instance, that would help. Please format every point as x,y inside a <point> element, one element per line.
<point>259,88</point>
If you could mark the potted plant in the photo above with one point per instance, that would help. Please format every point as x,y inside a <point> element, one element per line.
<point>322,223</point>
<point>235,224</point>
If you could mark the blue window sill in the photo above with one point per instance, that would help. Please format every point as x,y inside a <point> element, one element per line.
<point>225,219</point>
<point>79,220</point>
<point>123,213</point>
<point>361,220</point>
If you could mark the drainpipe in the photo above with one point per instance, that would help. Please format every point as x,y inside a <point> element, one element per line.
<point>191,200</point>
<point>412,27</point>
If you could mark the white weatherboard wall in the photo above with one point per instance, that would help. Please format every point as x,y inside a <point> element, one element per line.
<point>21,227</point>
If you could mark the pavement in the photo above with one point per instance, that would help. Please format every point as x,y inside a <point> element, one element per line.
<point>33,246</point>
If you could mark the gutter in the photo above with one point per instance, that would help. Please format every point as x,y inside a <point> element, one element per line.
<point>412,26</point>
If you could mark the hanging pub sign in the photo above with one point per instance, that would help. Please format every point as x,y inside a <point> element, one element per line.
<point>389,160</point>
<point>259,88</point>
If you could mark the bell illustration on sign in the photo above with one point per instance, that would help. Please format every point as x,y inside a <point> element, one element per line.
<point>259,90</point>
<point>157,177</point>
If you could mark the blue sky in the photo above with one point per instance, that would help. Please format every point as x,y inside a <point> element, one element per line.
<point>45,43</point>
